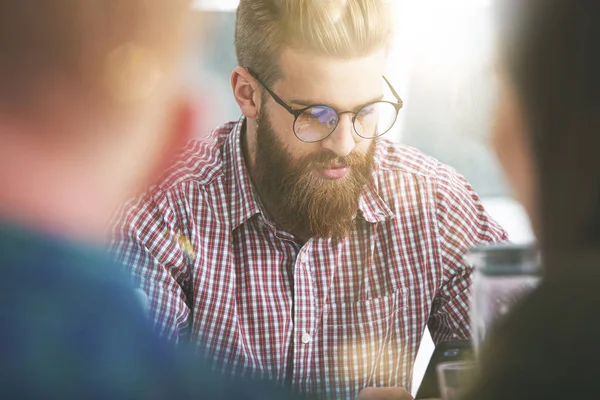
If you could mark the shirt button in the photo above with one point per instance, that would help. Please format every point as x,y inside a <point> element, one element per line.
<point>304,258</point>
<point>305,338</point>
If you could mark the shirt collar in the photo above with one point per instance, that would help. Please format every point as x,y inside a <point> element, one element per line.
<point>244,199</point>
<point>371,206</point>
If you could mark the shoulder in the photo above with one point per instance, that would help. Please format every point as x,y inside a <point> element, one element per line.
<point>401,159</point>
<point>398,164</point>
<point>81,306</point>
<point>406,177</point>
<point>200,161</point>
<point>198,166</point>
<point>67,284</point>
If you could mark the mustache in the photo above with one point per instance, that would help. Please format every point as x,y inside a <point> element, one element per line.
<point>328,159</point>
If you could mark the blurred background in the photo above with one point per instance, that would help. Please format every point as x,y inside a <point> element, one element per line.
<point>441,66</point>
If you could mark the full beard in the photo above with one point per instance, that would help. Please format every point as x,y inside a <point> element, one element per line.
<point>299,200</point>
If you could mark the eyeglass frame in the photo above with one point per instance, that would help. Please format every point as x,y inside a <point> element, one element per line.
<point>298,112</point>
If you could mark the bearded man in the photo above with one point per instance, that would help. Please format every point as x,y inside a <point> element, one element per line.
<point>296,244</point>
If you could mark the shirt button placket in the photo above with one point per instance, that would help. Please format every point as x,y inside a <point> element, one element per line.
<point>304,316</point>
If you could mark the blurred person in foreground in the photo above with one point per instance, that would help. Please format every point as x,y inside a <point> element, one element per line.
<point>296,244</point>
<point>90,105</point>
<point>547,137</point>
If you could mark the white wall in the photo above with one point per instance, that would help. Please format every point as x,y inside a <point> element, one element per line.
<point>215,5</point>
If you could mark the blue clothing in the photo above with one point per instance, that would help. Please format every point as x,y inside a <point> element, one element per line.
<point>71,326</point>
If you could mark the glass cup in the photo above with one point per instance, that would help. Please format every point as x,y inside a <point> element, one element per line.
<point>455,378</point>
<point>502,275</point>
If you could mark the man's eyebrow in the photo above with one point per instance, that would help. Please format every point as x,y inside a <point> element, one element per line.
<point>306,103</point>
<point>373,100</point>
<point>303,103</point>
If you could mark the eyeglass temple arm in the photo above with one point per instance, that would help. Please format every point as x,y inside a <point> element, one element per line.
<point>393,90</point>
<point>273,95</point>
<point>294,112</point>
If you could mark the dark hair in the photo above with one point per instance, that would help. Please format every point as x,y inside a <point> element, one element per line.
<point>547,348</point>
<point>550,50</point>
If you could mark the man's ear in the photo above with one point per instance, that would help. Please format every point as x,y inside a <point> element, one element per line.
<point>245,92</point>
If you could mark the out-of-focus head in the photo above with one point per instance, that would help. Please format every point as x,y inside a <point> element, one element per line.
<point>310,52</point>
<point>89,101</point>
<point>548,123</point>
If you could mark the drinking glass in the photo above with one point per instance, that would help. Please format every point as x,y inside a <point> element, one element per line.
<point>502,275</point>
<point>455,378</point>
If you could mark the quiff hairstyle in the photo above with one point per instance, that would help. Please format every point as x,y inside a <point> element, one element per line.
<point>337,28</point>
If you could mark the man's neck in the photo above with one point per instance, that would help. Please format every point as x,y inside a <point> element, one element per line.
<point>50,199</point>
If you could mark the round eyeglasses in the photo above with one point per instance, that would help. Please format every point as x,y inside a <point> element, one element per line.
<point>316,122</point>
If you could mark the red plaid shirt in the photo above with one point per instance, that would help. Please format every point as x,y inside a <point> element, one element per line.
<point>326,318</point>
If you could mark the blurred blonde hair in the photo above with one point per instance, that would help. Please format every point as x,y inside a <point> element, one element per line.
<point>336,28</point>
<point>112,48</point>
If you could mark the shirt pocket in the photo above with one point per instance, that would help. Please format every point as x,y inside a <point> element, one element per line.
<point>354,340</point>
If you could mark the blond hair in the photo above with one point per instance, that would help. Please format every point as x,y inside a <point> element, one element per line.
<point>96,45</point>
<point>336,28</point>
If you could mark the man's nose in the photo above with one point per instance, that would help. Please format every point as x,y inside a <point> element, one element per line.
<point>343,139</point>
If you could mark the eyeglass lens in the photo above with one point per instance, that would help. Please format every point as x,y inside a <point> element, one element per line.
<point>373,120</point>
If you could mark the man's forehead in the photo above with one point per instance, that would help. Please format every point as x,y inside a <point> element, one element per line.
<point>341,83</point>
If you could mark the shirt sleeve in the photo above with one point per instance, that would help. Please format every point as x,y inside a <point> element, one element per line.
<point>149,239</point>
<point>462,224</point>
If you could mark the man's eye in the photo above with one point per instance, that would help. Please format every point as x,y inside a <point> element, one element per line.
<point>367,111</point>
<point>323,116</point>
